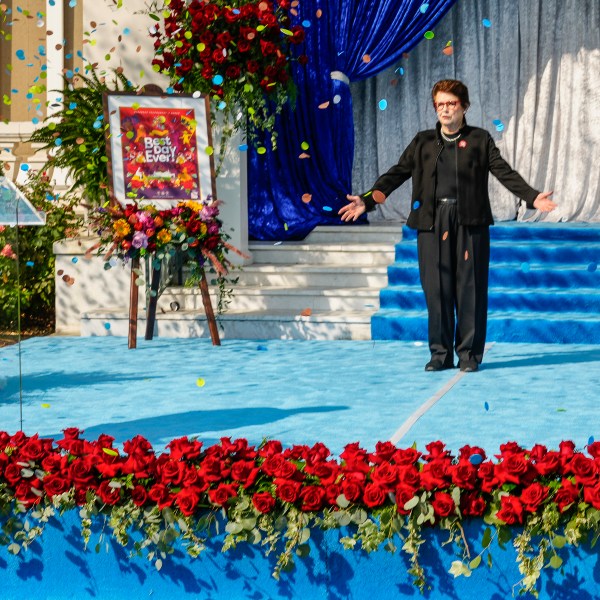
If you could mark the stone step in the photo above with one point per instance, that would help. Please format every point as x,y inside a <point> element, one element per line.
<point>331,253</point>
<point>271,324</point>
<point>250,298</point>
<point>388,232</point>
<point>312,275</point>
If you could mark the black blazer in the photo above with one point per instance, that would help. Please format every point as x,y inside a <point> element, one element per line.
<point>478,156</point>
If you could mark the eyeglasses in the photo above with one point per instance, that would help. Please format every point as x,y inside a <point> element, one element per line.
<point>440,105</point>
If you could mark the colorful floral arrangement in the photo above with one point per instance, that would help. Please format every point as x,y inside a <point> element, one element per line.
<point>236,52</point>
<point>541,500</point>
<point>191,229</point>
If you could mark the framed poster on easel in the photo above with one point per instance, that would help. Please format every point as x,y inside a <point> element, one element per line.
<point>159,154</point>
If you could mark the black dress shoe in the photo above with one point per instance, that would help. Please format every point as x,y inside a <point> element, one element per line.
<point>469,366</point>
<point>437,365</point>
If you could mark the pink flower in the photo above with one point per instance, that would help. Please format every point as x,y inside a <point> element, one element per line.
<point>7,251</point>
<point>140,240</point>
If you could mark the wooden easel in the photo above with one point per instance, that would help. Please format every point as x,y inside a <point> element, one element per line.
<point>151,312</point>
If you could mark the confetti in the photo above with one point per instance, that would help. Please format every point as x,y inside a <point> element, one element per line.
<point>383,104</point>
<point>423,8</point>
<point>261,150</point>
<point>327,208</point>
<point>486,23</point>
<point>59,272</point>
<point>498,124</point>
<point>110,451</point>
<point>218,79</point>
<point>486,406</point>
<point>366,58</point>
<point>416,204</point>
<point>304,146</point>
<point>304,155</point>
<point>243,147</point>
<point>319,13</point>
<point>306,198</point>
<point>476,459</point>
<point>209,150</point>
<point>306,312</point>
<point>466,255</point>
<point>29,263</point>
<point>445,236</point>
<point>200,382</point>
<point>337,99</point>
<point>324,105</point>
<point>378,196</point>
<point>429,35</point>
<point>107,326</point>
<point>591,440</point>
<point>278,243</point>
<point>525,267</point>
<point>261,348</point>
<point>45,405</point>
<point>448,50</point>
<point>592,267</point>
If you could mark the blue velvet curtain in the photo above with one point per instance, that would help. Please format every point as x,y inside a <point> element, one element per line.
<point>290,193</point>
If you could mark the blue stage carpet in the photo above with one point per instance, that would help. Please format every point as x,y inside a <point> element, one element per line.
<point>299,392</point>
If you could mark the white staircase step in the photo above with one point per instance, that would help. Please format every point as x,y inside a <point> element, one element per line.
<point>269,324</point>
<point>249,298</point>
<point>332,253</point>
<point>388,232</point>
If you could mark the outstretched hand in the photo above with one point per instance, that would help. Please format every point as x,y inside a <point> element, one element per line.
<point>543,202</point>
<point>352,211</point>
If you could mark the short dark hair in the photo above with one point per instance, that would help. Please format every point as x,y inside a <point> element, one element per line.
<point>452,86</point>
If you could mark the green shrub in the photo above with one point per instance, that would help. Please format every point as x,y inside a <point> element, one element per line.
<point>35,258</point>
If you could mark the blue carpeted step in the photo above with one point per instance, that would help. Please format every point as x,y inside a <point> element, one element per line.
<point>514,275</point>
<point>550,232</point>
<point>584,254</point>
<point>549,328</point>
<point>583,300</point>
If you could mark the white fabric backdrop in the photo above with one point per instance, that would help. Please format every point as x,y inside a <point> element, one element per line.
<point>536,68</point>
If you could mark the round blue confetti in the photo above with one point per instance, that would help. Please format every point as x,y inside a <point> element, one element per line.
<point>218,79</point>
<point>327,208</point>
<point>52,2</point>
<point>20,54</point>
<point>525,267</point>
<point>486,23</point>
<point>73,3</point>
<point>25,167</point>
<point>72,105</point>
<point>170,90</point>
<point>305,23</point>
<point>416,204</point>
<point>243,147</point>
<point>107,326</point>
<point>592,267</point>
<point>35,120</point>
<point>591,440</point>
<point>399,70</point>
<point>424,7</point>
<point>126,31</point>
<point>74,259</point>
<point>97,125</point>
<point>261,348</point>
<point>476,459</point>
<point>58,141</point>
<point>222,105</point>
<point>29,263</point>
<point>486,406</point>
<point>383,104</point>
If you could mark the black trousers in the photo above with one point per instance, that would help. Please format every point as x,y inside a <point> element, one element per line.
<point>454,268</point>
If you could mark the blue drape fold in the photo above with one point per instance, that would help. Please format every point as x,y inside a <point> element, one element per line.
<point>292,190</point>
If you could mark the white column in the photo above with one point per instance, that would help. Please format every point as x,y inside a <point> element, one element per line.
<point>55,59</point>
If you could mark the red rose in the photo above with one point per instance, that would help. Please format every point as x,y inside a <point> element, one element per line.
<point>286,470</point>
<point>303,59</point>
<point>594,449</point>
<point>219,56</point>
<point>327,472</point>
<point>263,502</point>
<point>243,45</point>
<point>567,494</point>
<point>268,19</point>
<point>287,490</point>
<point>567,450</point>
<point>404,493</point>
<point>55,485</point>
<point>332,493</point>
<point>549,464</point>
<point>187,500</point>
<point>435,474</point>
<point>584,469</point>
<point>352,490</point>
<point>533,495</point>
<point>160,495</point>
<point>207,73</point>
<point>108,494</point>
<point>171,472</point>
<point>12,474</point>
<point>184,65</point>
<point>230,16</point>
<point>52,463</point>
<point>35,449</point>
<point>436,450</point>
<point>223,493</point>
<point>213,469</point>
<point>224,38</point>
<point>591,495</point>
<point>467,451</point>
<point>298,36</point>
<point>510,448</point>
<point>184,448</point>
<point>313,497</point>
<point>245,472</point>
<point>251,66</point>
<point>385,476</point>
<point>25,495</point>
<point>511,510</point>
<point>464,474</point>
<point>139,495</point>
<point>487,474</point>
<point>409,476</point>
<point>406,456</point>
<point>442,504</point>
<point>515,468</point>
<point>270,448</point>
<point>472,505</point>
<point>374,495</point>
<point>233,71</point>
<point>267,47</point>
